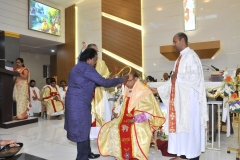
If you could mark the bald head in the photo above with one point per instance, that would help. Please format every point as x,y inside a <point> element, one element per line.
<point>180,41</point>
<point>165,76</point>
<point>94,46</point>
<point>133,77</point>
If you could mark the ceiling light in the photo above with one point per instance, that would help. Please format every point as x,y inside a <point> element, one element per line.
<point>52,50</point>
<point>120,20</point>
<point>122,60</point>
<point>154,64</point>
<point>159,9</point>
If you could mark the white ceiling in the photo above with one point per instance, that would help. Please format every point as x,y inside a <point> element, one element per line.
<point>37,45</point>
<point>65,3</point>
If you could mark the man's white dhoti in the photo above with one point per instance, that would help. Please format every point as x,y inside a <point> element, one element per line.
<point>193,143</point>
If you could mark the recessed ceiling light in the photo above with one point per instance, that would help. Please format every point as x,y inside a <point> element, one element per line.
<point>159,9</point>
<point>52,50</point>
<point>154,64</point>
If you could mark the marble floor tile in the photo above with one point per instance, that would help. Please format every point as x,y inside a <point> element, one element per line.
<point>47,139</point>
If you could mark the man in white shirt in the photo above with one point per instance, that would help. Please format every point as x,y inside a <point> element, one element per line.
<point>62,90</point>
<point>185,98</point>
<point>34,99</point>
<point>165,77</point>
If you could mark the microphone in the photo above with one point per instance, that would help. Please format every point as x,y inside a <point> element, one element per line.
<point>170,74</point>
<point>215,68</point>
<point>7,61</point>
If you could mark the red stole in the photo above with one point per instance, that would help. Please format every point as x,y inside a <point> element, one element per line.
<point>172,112</point>
<point>125,132</point>
<point>35,94</point>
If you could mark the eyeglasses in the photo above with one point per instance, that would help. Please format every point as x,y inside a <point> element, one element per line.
<point>130,80</point>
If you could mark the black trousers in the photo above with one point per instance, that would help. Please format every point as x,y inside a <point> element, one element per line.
<point>83,150</point>
<point>89,148</point>
<point>184,157</point>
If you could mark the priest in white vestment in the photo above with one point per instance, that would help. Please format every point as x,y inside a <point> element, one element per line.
<point>62,90</point>
<point>34,99</point>
<point>185,98</point>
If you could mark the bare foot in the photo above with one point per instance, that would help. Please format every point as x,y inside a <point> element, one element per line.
<point>14,118</point>
<point>59,117</point>
<point>21,117</point>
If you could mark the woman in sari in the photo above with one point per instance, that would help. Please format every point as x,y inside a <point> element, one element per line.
<point>21,90</point>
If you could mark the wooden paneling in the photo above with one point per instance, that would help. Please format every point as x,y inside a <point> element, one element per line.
<point>66,52</point>
<point>205,50</point>
<point>111,63</point>
<point>129,10</point>
<point>122,40</point>
<point>53,65</point>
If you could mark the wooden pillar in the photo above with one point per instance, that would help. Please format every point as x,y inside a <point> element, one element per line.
<point>66,52</point>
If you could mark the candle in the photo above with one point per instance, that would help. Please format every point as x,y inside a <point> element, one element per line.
<point>122,89</point>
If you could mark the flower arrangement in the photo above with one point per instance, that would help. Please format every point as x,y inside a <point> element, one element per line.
<point>227,88</point>
<point>118,91</point>
<point>234,102</point>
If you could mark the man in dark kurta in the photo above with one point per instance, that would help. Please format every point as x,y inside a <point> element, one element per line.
<point>81,84</point>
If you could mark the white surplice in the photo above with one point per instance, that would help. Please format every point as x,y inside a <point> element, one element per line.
<point>190,106</point>
<point>36,104</point>
<point>63,93</point>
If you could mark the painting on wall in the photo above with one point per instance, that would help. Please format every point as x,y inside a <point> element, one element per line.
<point>44,18</point>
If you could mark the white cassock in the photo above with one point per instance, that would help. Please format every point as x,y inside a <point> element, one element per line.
<point>63,93</point>
<point>36,104</point>
<point>190,106</point>
<point>106,107</point>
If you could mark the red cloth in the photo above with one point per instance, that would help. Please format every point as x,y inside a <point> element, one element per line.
<point>163,146</point>
<point>94,124</point>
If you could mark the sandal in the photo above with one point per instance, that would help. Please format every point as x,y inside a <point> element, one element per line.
<point>9,151</point>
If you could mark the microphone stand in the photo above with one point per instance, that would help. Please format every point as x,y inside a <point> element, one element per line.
<point>7,61</point>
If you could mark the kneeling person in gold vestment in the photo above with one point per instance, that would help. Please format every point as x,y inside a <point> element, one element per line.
<point>129,135</point>
<point>51,96</point>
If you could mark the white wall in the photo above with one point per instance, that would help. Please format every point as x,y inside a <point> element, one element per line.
<point>14,18</point>
<point>34,62</point>
<point>90,24</point>
<point>216,20</point>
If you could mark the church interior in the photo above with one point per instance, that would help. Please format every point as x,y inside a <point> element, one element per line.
<point>50,35</point>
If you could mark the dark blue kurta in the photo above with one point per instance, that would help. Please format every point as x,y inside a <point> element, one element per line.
<point>81,84</point>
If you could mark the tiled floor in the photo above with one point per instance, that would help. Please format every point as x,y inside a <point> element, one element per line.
<point>47,139</point>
